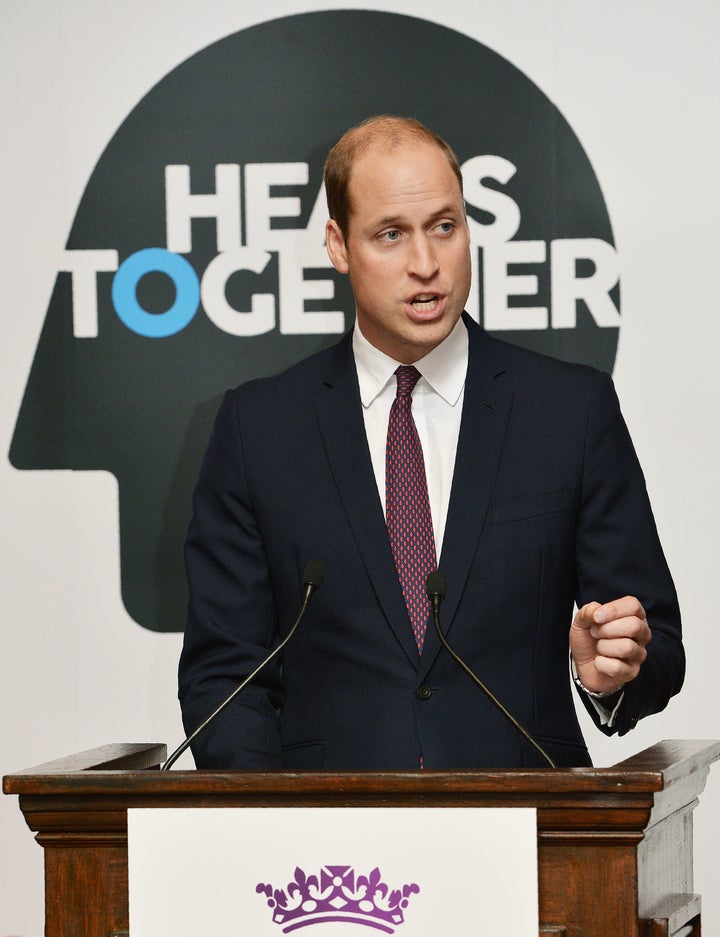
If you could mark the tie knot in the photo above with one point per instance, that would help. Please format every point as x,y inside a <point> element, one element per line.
<point>407,377</point>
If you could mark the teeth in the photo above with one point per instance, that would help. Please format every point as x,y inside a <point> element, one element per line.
<point>424,302</point>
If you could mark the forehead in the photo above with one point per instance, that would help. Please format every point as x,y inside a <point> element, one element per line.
<point>406,176</point>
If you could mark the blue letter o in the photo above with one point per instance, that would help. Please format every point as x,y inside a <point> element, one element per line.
<point>124,292</point>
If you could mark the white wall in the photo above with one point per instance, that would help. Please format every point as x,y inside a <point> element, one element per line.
<point>637,81</point>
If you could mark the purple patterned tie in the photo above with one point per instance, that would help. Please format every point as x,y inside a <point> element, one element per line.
<point>407,505</point>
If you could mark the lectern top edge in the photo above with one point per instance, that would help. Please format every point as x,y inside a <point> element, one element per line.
<point>103,770</point>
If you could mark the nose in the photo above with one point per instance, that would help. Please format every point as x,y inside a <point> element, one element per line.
<point>423,261</point>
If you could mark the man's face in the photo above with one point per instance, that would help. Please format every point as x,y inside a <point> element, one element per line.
<point>407,251</point>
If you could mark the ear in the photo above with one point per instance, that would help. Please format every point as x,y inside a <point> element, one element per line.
<point>336,247</point>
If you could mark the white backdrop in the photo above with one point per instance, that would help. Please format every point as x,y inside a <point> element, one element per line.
<point>637,81</point>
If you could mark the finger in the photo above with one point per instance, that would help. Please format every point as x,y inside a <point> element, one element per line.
<point>622,649</point>
<point>618,671</point>
<point>635,629</point>
<point>626,607</point>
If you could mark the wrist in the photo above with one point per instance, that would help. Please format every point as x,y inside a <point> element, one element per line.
<point>596,694</point>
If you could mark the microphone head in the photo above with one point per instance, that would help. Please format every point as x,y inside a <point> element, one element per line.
<point>313,575</point>
<point>435,585</point>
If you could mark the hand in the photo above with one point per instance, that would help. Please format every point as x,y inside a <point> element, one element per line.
<point>608,643</point>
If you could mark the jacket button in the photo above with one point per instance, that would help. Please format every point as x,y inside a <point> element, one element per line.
<point>423,692</point>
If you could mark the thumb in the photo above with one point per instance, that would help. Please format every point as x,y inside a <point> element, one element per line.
<point>584,619</point>
<point>583,644</point>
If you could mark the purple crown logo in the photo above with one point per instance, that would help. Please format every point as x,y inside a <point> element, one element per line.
<point>337,894</point>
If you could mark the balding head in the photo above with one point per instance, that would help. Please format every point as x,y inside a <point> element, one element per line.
<point>384,132</point>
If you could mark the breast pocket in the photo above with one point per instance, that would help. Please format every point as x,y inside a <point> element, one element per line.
<point>537,505</point>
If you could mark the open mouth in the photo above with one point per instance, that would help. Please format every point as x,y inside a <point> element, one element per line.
<point>425,302</point>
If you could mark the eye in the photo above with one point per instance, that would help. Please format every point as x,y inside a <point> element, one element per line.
<point>390,236</point>
<point>446,227</point>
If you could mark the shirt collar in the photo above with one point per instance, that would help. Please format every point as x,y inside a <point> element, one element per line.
<point>444,368</point>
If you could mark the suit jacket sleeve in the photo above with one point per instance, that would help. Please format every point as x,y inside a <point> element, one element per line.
<point>618,553</point>
<point>230,585</point>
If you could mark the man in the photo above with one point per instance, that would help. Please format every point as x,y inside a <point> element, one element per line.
<point>525,487</point>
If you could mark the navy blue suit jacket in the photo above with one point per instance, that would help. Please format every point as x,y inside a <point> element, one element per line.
<point>548,507</point>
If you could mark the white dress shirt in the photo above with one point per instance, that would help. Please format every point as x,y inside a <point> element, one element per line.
<point>436,409</point>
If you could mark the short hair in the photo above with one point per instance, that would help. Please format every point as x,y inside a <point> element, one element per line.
<point>385,131</point>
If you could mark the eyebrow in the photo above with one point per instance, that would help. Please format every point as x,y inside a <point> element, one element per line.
<point>448,209</point>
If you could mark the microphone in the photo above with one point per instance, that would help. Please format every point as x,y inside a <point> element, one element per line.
<point>436,589</point>
<point>312,580</point>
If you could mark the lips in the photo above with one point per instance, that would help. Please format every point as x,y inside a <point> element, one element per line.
<point>426,307</point>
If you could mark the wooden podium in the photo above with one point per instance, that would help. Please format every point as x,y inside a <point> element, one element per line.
<point>614,844</point>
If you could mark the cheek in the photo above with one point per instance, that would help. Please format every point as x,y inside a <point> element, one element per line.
<point>463,271</point>
<point>462,258</point>
<point>373,278</point>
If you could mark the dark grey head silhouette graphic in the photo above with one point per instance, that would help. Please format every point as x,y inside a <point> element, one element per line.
<point>196,261</point>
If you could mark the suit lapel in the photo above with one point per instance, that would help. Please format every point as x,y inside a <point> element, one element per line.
<point>486,410</point>
<point>339,414</point>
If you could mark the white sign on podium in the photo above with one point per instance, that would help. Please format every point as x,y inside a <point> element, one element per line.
<point>332,872</point>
